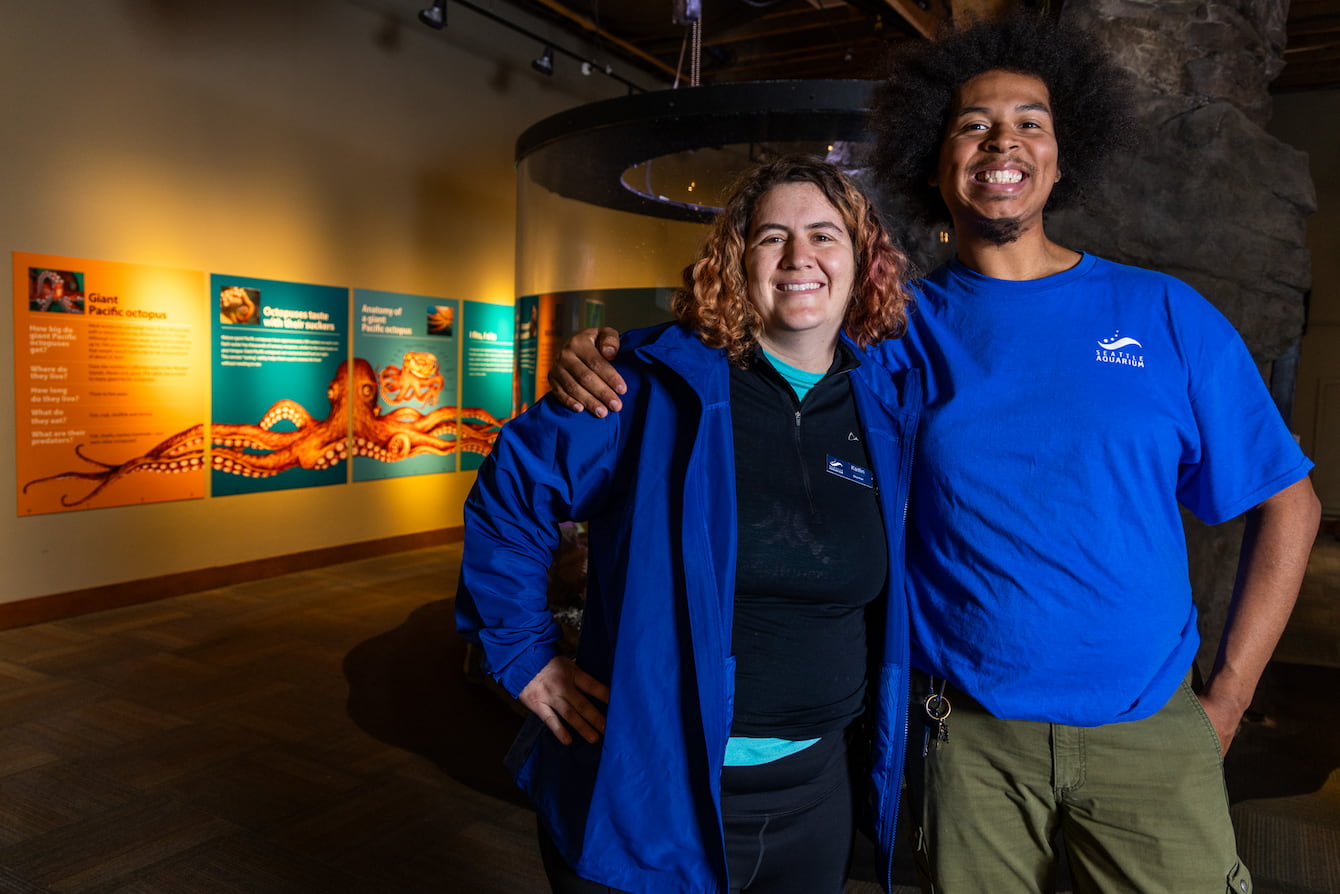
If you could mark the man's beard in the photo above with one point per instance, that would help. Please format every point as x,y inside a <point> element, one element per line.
<point>999,231</point>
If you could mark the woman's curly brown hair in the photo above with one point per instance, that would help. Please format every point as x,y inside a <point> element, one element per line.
<point>1090,99</point>
<point>714,301</point>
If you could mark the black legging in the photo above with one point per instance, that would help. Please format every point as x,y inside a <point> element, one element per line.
<point>788,827</point>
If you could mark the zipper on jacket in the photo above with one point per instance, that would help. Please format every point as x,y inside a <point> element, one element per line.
<point>907,639</point>
<point>799,443</point>
<point>907,472</point>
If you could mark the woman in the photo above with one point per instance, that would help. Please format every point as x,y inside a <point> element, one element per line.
<point>742,528</point>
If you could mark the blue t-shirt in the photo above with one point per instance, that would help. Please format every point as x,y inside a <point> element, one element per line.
<point>1065,420</point>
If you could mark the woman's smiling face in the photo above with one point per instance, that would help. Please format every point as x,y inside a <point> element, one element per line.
<point>800,264</point>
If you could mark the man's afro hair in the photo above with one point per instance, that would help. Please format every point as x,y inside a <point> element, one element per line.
<point>1090,98</point>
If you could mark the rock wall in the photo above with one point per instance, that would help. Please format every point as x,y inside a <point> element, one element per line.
<point>1207,196</point>
<point>1217,50</point>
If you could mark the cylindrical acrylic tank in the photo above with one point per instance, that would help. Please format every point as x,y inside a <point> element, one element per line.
<point>613,198</point>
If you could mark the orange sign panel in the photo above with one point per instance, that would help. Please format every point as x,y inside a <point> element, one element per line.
<point>111,383</point>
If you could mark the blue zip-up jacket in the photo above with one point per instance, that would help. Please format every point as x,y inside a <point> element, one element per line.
<point>640,810</point>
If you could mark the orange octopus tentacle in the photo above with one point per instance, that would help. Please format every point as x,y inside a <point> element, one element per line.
<point>258,451</point>
<point>182,452</point>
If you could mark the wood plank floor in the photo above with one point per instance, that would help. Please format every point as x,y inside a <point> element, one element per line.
<point>314,732</point>
<point>204,744</point>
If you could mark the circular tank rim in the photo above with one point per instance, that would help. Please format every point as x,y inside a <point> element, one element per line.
<point>598,141</point>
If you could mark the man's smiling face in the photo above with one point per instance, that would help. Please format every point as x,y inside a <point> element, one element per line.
<point>998,161</point>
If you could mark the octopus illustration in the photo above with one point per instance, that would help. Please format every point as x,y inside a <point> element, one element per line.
<point>418,380</point>
<point>236,305</point>
<point>257,451</point>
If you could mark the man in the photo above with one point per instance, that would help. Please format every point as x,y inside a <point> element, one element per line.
<point>1072,404</point>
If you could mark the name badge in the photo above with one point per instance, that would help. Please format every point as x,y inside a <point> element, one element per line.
<point>850,471</point>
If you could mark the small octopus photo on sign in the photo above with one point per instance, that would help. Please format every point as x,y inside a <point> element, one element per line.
<point>55,291</point>
<point>440,318</point>
<point>240,306</point>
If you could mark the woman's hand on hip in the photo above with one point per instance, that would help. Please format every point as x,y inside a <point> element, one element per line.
<point>558,695</point>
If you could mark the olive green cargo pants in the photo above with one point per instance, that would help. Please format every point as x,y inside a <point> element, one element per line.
<point>1138,806</point>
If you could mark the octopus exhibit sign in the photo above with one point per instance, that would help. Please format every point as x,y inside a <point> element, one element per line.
<point>486,378</point>
<point>410,343</point>
<point>113,381</point>
<point>280,395</point>
<point>109,379</point>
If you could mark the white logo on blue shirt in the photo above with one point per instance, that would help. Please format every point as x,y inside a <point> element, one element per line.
<point>1116,350</point>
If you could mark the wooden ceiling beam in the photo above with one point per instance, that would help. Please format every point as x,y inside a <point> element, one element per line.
<point>588,25</point>
<point>967,11</point>
<point>775,29</point>
<point>926,23</point>
<point>809,54</point>
<point>962,12</point>
<point>1313,43</point>
<point>1309,27</point>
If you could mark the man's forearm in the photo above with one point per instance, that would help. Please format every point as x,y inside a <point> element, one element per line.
<point>1275,549</point>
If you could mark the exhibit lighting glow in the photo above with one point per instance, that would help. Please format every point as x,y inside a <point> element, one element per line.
<point>162,288</point>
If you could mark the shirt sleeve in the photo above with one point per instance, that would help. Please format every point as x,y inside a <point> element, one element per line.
<point>1247,454</point>
<point>549,465</point>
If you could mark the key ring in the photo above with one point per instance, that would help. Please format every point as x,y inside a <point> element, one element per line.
<point>936,705</point>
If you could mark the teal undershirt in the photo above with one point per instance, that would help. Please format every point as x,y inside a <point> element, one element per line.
<point>800,380</point>
<point>742,751</point>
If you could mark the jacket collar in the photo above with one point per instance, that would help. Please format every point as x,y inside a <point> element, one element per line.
<point>900,388</point>
<point>680,350</point>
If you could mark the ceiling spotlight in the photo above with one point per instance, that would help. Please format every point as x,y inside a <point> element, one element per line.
<point>434,16</point>
<point>544,64</point>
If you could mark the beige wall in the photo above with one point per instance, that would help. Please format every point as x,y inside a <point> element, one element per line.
<point>1311,121</point>
<point>335,142</point>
